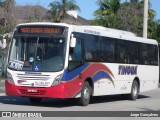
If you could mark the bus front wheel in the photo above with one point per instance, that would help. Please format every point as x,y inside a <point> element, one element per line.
<point>85,94</point>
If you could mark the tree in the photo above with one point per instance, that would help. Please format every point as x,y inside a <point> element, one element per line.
<point>126,16</point>
<point>58,10</point>
<point>106,14</point>
<point>130,16</point>
<point>6,27</point>
<point>2,2</point>
<point>9,18</point>
<point>157,33</point>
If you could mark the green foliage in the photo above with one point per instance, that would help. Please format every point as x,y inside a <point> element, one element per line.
<point>126,16</point>
<point>128,22</point>
<point>8,23</point>
<point>158,33</point>
<point>3,57</point>
<point>6,26</point>
<point>2,3</point>
<point>154,30</point>
<point>2,78</point>
<point>58,9</point>
<point>106,14</point>
<point>2,30</point>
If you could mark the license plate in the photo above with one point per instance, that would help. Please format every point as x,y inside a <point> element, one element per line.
<point>31,90</point>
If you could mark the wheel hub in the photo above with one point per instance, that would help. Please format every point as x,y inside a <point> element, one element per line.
<point>86,93</point>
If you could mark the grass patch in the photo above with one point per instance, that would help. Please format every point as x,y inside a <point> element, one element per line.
<point>2,91</point>
<point>2,78</point>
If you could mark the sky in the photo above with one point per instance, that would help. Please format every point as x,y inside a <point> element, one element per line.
<point>87,6</point>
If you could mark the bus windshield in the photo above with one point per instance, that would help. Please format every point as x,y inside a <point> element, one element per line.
<point>42,54</point>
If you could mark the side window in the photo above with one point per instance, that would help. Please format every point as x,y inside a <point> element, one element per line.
<point>120,52</point>
<point>143,55</point>
<point>132,52</point>
<point>107,49</point>
<point>76,53</point>
<point>153,55</point>
<point>92,48</point>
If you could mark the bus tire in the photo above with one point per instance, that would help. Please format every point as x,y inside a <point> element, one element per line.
<point>85,94</point>
<point>134,91</point>
<point>35,100</point>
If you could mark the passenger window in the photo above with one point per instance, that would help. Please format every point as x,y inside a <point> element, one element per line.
<point>132,52</point>
<point>120,53</point>
<point>107,50</point>
<point>143,55</point>
<point>92,48</point>
<point>75,54</point>
<point>153,55</point>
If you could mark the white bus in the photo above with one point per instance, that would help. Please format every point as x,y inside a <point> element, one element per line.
<point>56,60</point>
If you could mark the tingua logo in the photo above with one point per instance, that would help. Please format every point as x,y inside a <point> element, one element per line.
<point>127,70</point>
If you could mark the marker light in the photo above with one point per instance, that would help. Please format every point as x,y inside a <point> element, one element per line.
<point>57,80</point>
<point>9,78</point>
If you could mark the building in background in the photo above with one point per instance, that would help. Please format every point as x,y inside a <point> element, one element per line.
<point>23,14</point>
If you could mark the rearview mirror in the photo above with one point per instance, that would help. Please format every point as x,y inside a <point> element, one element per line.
<point>73,41</point>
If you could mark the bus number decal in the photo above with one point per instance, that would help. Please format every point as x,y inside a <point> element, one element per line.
<point>127,70</point>
<point>16,64</point>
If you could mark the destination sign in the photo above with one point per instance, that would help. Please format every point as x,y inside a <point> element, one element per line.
<point>44,29</point>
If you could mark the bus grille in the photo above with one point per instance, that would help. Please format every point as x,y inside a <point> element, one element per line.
<point>33,77</point>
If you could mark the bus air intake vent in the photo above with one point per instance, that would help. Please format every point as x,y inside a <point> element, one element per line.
<point>33,77</point>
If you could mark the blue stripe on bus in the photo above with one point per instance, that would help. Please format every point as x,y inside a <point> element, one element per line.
<point>72,74</point>
<point>101,75</point>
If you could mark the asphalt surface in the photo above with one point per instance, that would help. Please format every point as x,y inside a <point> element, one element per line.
<point>147,101</point>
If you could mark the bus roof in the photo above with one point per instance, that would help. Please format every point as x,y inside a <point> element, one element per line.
<point>44,23</point>
<point>116,31</point>
<point>99,30</point>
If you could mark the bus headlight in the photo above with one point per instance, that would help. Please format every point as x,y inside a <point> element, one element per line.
<point>57,80</point>
<point>9,78</point>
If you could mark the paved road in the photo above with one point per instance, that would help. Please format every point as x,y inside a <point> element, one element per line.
<point>2,86</point>
<point>2,83</point>
<point>148,101</point>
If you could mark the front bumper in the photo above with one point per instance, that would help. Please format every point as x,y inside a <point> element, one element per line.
<point>58,91</point>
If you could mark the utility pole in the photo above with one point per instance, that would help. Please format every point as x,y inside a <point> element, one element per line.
<point>145,20</point>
